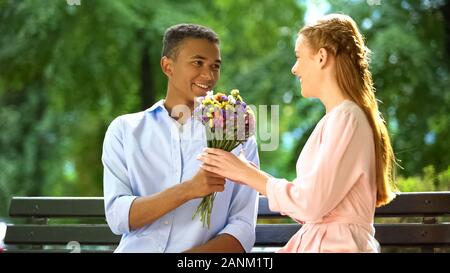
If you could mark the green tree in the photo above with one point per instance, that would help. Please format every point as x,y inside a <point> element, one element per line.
<point>67,71</point>
<point>409,41</point>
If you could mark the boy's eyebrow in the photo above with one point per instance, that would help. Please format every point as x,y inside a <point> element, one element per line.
<point>203,58</point>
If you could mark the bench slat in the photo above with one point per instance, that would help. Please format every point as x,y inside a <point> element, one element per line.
<point>387,235</point>
<point>413,234</point>
<point>417,204</point>
<point>406,204</point>
<point>266,234</point>
<point>46,207</point>
<point>60,234</point>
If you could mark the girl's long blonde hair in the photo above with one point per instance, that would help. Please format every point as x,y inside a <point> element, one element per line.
<point>339,35</point>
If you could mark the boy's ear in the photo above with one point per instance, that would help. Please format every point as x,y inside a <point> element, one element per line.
<point>166,66</point>
<point>323,57</point>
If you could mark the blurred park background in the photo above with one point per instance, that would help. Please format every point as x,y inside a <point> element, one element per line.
<point>69,67</point>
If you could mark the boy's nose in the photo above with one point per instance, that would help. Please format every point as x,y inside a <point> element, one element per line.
<point>207,74</point>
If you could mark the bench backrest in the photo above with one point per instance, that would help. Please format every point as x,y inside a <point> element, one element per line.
<point>426,233</point>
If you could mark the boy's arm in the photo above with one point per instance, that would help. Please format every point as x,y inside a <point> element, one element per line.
<point>223,243</point>
<point>145,210</point>
<point>123,209</point>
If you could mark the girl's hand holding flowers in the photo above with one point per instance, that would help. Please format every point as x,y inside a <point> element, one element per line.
<point>234,168</point>
<point>226,164</point>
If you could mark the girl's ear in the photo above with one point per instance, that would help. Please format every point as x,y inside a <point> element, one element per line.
<point>166,66</point>
<point>322,57</point>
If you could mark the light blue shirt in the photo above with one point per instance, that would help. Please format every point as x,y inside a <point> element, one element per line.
<point>147,152</point>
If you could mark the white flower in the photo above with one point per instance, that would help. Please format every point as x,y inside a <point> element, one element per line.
<point>231,99</point>
<point>199,99</point>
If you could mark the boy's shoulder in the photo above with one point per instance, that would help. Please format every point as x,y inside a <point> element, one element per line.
<point>128,120</point>
<point>134,119</point>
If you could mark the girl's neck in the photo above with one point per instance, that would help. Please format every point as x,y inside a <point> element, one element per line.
<point>332,95</point>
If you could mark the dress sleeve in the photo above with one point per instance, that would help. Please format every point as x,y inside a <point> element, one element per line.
<point>338,163</point>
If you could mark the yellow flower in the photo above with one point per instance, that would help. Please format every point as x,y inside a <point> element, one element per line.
<point>207,101</point>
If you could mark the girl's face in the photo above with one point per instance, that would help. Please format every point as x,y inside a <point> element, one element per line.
<point>307,68</point>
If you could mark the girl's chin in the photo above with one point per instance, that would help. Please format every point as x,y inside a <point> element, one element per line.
<point>305,93</point>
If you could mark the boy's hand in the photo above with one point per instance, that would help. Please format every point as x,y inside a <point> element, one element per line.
<point>205,183</point>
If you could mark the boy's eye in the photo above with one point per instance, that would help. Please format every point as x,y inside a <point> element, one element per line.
<point>198,63</point>
<point>216,67</point>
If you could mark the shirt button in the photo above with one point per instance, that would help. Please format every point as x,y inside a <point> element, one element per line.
<point>166,222</point>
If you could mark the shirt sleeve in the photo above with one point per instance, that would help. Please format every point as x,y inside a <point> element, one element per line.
<point>244,205</point>
<point>118,195</point>
<point>339,162</point>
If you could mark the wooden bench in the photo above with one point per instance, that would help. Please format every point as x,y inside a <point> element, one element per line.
<point>84,227</point>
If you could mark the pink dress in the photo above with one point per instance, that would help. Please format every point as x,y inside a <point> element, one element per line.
<point>334,194</point>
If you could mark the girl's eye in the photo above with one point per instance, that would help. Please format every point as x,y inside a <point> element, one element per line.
<point>216,67</point>
<point>198,63</point>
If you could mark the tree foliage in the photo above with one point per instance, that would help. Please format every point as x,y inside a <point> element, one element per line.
<point>411,73</point>
<point>67,71</point>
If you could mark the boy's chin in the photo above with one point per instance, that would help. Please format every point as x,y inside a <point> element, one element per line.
<point>199,93</point>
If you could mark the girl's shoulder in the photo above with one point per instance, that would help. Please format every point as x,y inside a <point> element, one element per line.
<point>348,110</point>
<point>346,115</point>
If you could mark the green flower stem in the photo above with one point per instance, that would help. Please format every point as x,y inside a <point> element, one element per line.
<point>205,207</point>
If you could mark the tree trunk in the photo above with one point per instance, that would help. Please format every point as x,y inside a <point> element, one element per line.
<point>147,92</point>
<point>446,15</point>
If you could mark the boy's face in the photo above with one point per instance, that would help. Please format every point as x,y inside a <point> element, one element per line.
<point>195,70</point>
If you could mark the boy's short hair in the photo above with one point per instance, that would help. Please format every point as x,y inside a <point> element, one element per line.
<point>177,33</point>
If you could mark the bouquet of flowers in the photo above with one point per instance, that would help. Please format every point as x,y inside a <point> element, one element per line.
<point>229,122</point>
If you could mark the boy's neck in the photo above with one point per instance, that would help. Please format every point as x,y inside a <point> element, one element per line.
<point>178,108</point>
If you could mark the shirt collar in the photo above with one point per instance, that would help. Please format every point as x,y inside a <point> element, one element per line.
<point>159,104</point>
